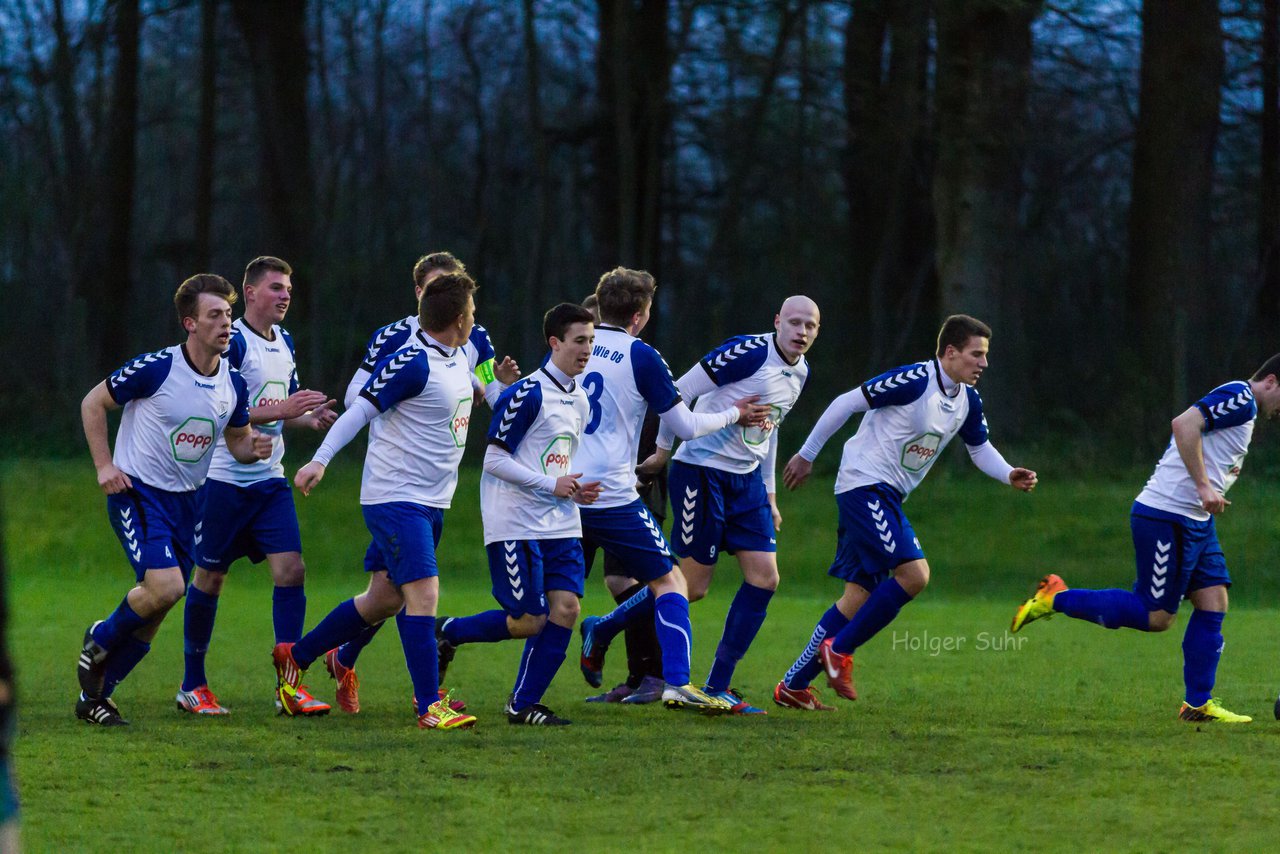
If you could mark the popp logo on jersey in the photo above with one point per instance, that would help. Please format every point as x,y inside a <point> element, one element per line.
<point>192,439</point>
<point>757,435</point>
<point>273,392</point>
<point>556,457</point>
<point>920,451</point>
<point>460,421</point>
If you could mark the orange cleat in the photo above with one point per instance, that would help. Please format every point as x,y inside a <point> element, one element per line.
<point>301,704</point>
<point>348,691</point>
<point>839,667</point>
<point>799,698</point>
<point>200,702</point>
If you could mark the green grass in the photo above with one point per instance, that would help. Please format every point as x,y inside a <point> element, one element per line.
<point>1060,738</point>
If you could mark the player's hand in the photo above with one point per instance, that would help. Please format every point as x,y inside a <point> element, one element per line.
<point>1024,479</point>
<point>507,371</point>
<point>261,444</point>
<point>1211,499</point>
<point>750,413</point>
<point>567,485</point>
<point>777,514</point>
<point>112,480</point>
<point>798,470</point>
<point>308,476</point>
<point>587,492</point>
<point>301,402</point>
<point>322,417</point>
<point>477,397</point>
<point>654,463</point>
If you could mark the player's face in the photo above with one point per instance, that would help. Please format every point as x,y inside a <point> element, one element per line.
<point>572,354</point>
<point>211,326</point>
<point>966,364</point>
<point>467,321</point>
<point>269,299</point>
<point>1269,398</point>
<point>797,327</point>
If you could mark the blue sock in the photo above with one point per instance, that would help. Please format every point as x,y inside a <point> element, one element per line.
<point>197,630</point>
<point>121,662</point>
<point>288,612</point>
<point>671,619</point>
<point>638,607</point>
<point>341,625</point>
<point>808,665</point>
<point>122,623</point>
<point>418,637</point>
<point>1201,649</point>
<point>1110,609</point>
<point>544,655</point>
<point>878,611</point>
<point>350,651</point>
<point>485,627</point>
<point>746,615</point>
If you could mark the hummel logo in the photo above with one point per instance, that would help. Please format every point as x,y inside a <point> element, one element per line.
<point>914,373</point>
<point>651,525</point>
<point>687,515</point>
<point>739,349</point>
<point>513,406</point>
<point>392,368</point>
<point>134,366</point>
<point>1160,569</point>
<point>1232,404</point>
<point>387,332</point>
<point>513,569</point>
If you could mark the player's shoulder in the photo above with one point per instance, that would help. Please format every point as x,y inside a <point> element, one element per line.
<point>383,335</point>
<point>1230,398</point>
<point>150,362</point>
<point>740,351</point>
<point>287,338</point>
<point>913,374</point>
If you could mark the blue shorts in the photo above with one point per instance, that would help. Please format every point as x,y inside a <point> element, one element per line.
<point>250,521</point>
<point>155,527</point>
<point>524,570</point>
<point>874,537</point>
<point>1175,555</point>
<point>405,536</point>
<point>631,535</point>
<point>717,511</point>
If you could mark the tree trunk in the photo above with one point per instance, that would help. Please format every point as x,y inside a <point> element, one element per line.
<point>206,135</point>
<point>984,67</point>
<point>530,298</point>
<point>1169,217</point>
<point>1267,305</point>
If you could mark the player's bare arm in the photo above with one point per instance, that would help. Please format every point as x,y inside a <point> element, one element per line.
<point>774,511</point>
<point>93,414</point>
<point>654,463</point>
<point>294,406</point>
<point>246,444</point>
<point>1188,430</point>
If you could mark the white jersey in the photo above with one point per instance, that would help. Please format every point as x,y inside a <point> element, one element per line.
<point>386,340</point>
<point>271,374</point>
<point>740,367</point>
<point>423,395</point>
<point>1230,413</point>
<point>624,378</point>
<point>539,422</point>
<point>912,418</point>
<point>173,416</point>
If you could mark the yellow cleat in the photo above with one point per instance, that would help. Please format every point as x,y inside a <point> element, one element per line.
<point>1211,712</point>
<point>690,698</point>
<point>1040,605</point>
<point>440,715</point>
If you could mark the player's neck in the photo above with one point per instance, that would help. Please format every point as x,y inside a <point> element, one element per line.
<point>557,373</point>
<point>949,383</point>
<point>257,325</point>
<point>201,359</point>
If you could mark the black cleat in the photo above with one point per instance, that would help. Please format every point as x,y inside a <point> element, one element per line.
<point>91,669</point>
<point>102,712</point>
<point>445,651</point>
<point>535,715</point>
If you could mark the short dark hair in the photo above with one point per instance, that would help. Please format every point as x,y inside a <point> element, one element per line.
<point>444,300</point>
<point>1269,367</point>
<point>435,261</point>
<point>959,328</point>
<point>263,264</point>
<point>622,293</point>
<point>592,305</point>
<point>187,298</point>
<point>556,321</point>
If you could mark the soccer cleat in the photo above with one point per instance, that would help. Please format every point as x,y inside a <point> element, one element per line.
<point>839,667</point>
<point>650,691</point>
<point>616,694</point>
<point>288,675</point>
<point>200,702</point>
<point>592,660</point>
<point>689,698</point>
<point>91,669</point>
<point>347,694</point>
<point>456,705</point>
<point>1211,712</point>
<point>301,704</point>
<point>799,698</point>
<point>534,715</point>
<point>440,715</point>
<point>737,705</point>
<point>101,712</point>
<point>445,651</point>
<point>1040,605</point>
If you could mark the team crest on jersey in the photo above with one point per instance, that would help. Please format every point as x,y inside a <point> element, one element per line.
<point>192,439</point>
<point>757,435</point>
<point>555,459</point>
<point>920,451</point>
<point>460,421</point>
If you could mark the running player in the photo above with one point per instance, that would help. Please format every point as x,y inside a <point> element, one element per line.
<point>912,413</point>
<point>177,402</point>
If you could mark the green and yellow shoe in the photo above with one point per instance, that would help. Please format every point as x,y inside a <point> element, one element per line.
<point>1211,712</point>
<point>1040,605</point>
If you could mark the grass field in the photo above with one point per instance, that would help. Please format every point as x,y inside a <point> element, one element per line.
<point>1061,738</point>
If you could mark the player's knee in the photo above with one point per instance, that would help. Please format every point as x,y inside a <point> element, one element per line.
<point>564,611</point>
<point>291,573</point>
<point>167,591</point>
<point>1160,621</point>
<point>208,582</point>
<point>526,625</point>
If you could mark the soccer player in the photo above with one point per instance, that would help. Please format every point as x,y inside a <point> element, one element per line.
<point>246,510</point>
<point>722,485</point>
<point>418,402</point>
<point>488,377</point>
<point>1175,541</point>
<point>912,413</point>
<point>624,378</point>
<point>177,402</point>
<point>528,499</point>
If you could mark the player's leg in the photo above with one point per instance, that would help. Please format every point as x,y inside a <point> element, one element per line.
<point>199,614</point>
<point>417,625</point>
<point>1202,642</point>
<point>561,575</point>
<point>794,690</point>
<point>350,651</point>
